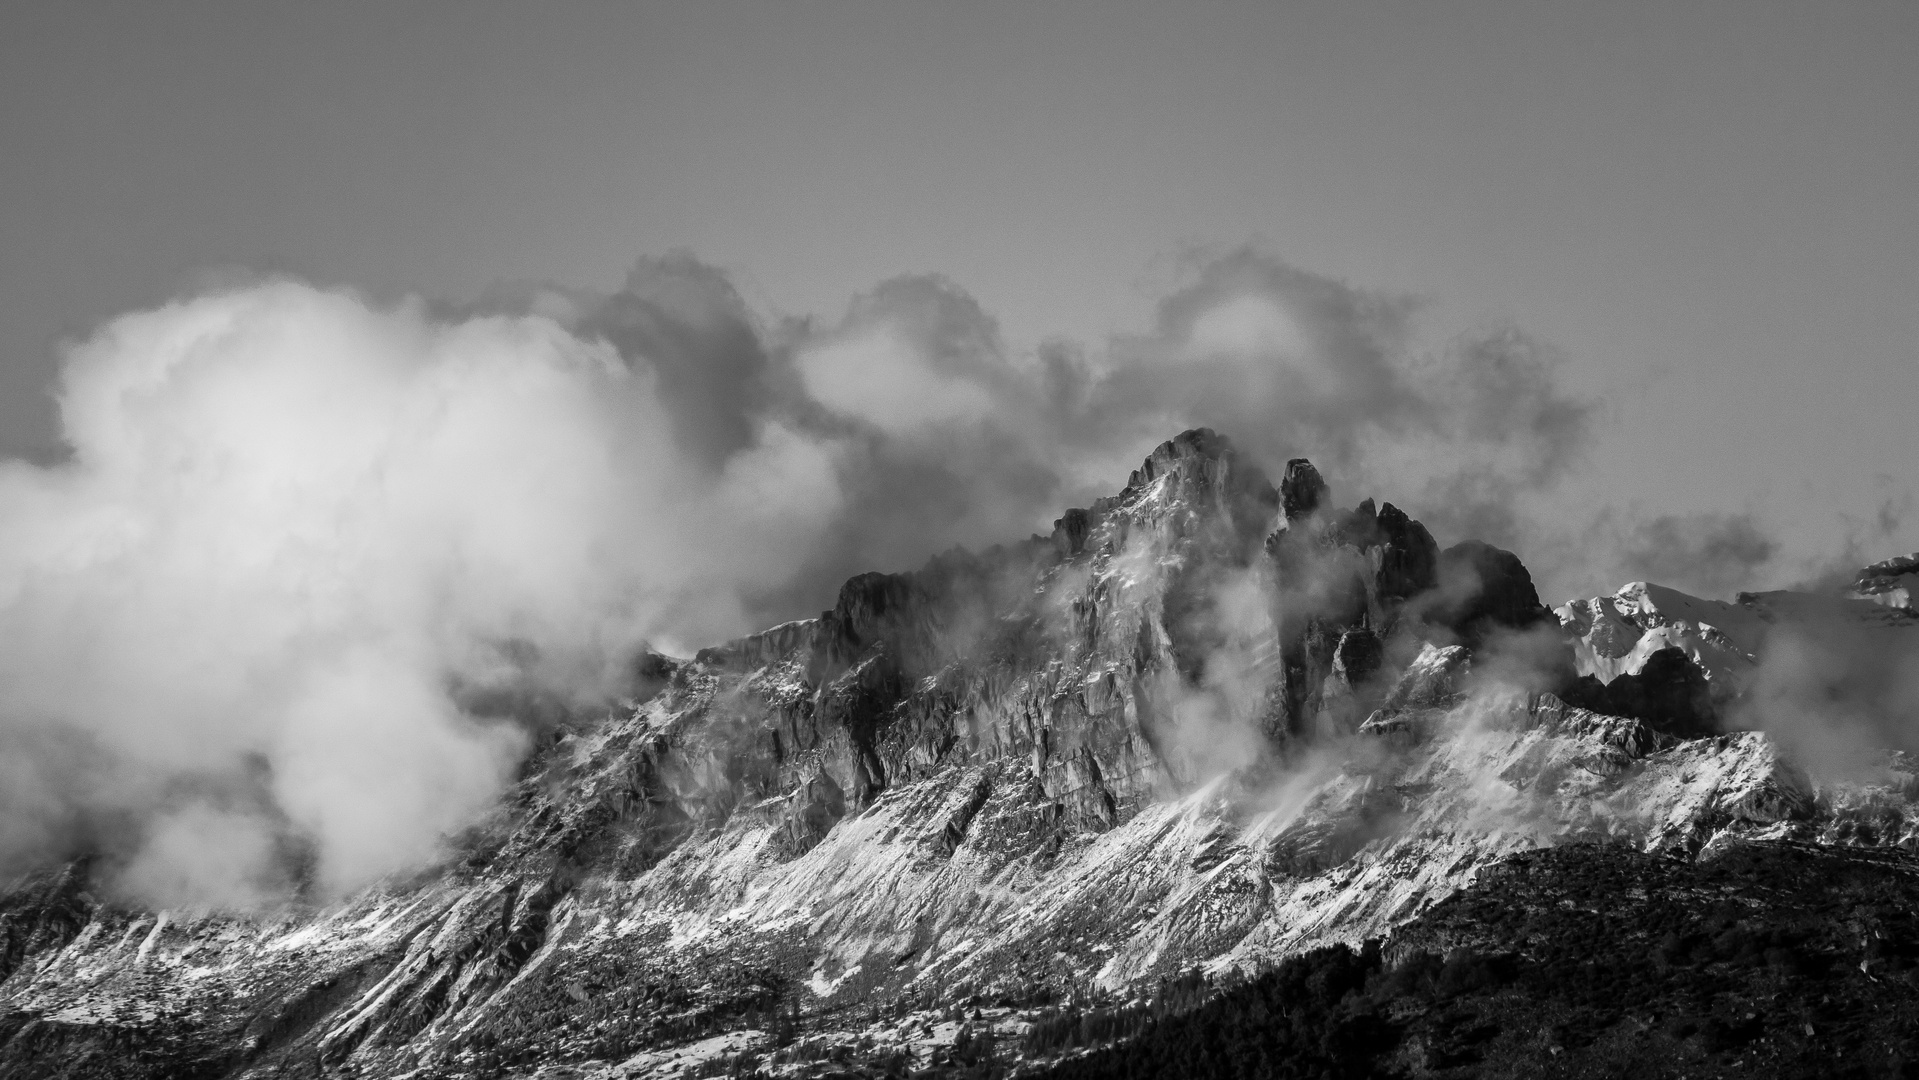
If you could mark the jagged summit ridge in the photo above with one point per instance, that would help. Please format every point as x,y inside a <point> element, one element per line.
<point>1302,491</point>
<point>1199,478</point>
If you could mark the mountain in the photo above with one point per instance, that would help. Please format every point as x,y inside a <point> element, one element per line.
<point>1176,762</point>
<point>1656,652</point>
<point>1890,583</point>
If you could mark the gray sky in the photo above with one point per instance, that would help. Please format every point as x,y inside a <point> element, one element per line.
<point>1712,209</point>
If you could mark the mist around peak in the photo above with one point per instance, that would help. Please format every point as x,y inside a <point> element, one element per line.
<point>1829,675</point>
<point>253,624</point>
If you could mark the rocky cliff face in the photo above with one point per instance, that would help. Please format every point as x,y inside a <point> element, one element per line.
<point>1206,723</point>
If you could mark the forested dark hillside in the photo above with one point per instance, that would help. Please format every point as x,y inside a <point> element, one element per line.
<point>1766,961</point>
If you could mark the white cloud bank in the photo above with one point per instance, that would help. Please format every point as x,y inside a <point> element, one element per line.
<point>292,520</point>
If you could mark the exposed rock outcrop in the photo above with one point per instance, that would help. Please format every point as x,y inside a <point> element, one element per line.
<point>1669,691</point>
<point>1484,589</point>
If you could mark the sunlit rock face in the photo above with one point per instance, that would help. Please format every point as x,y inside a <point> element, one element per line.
<point>1205,723</point>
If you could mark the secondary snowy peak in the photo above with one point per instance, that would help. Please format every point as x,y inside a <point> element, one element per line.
<point>1619,634</point>
<point>1684,662</point>
<point>1890,583</point>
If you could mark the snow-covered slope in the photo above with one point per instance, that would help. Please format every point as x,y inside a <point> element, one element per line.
<point>1616,635</point>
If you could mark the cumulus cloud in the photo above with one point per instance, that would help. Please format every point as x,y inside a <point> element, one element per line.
<point>685,322</point>
<point>291,519</point>
<point>1838,690</point>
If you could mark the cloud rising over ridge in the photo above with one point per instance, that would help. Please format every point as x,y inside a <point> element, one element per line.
<point>291,520</point>
<point>296,524</point>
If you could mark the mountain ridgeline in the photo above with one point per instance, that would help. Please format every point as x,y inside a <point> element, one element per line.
<point>1211,752</point>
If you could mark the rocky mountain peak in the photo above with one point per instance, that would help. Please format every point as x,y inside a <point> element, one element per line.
<point>1203,470</point>
<point>1194,487</point>
<point>1193,446</point>
<point>1891,583</point>
<point>1302,491</point>
<point>1483,588</point>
